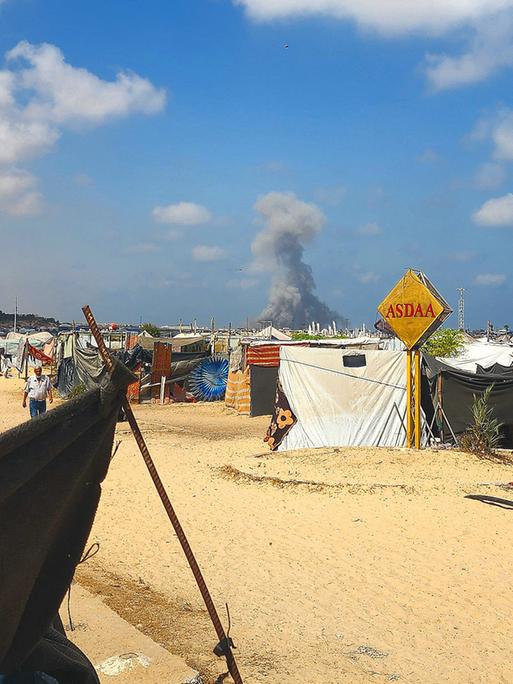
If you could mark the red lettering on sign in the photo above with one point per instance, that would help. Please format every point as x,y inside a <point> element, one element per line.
<point>409,310</point>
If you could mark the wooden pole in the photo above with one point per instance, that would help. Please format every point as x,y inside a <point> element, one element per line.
<point>409,422</point>
<point>417,400</point>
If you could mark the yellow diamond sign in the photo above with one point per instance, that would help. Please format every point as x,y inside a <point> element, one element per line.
<point>414,309</point>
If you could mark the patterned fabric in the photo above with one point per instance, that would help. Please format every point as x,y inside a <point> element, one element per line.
<point>282,421</point>
<point>265,355</point>
<point>38,354</point>
<point>237,391</point>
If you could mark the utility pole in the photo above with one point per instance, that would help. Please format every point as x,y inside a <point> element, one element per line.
<point>16,314</point>
<point>461,309</point>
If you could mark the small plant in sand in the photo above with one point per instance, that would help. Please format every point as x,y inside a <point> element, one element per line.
<point>483,436</point>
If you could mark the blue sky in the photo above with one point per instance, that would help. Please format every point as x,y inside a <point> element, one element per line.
<point>398,128</point>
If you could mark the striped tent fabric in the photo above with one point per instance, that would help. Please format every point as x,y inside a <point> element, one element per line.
<point>237,391</point>
<point>265,355</point>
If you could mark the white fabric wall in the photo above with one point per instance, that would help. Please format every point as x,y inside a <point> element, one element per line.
<point>340,406</point>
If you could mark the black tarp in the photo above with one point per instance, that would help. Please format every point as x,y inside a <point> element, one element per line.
<point>496,369</point>
<point>85,368</point>
<point>263,380</point>
<point>458,390</point>
<point>51,469</point>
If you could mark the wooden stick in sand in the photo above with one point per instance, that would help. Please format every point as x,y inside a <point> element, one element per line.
<point>224,647</point>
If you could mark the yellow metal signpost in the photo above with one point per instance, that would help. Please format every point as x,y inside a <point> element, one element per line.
<point>414,309</point>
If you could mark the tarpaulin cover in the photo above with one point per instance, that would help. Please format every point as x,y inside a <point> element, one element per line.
<point>84,368</point>
<point>339,406</point>
<point>482,353</point>
<point>262,390</point>
<point>458,390</point>
<point>51,469</point>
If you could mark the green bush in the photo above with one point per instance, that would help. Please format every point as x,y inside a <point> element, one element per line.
<point>445,343</point>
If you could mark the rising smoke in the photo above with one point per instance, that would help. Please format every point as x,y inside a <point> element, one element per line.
<point>278,249</point>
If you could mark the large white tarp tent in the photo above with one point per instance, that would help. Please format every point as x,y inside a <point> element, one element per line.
<point>342,397</point>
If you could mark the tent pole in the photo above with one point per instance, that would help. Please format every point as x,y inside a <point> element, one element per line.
<point>417,399</point>
<point>225,645</point>
<point>408,400</point>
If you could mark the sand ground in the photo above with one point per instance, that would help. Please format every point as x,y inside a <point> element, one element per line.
<point>338,565</point>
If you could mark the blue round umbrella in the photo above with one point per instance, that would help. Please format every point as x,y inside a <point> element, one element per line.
<point>208,380</point>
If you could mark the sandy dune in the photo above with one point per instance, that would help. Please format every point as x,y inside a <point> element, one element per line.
<point>340,565</point>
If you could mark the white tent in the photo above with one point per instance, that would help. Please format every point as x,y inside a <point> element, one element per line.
<point>344,398</point>
<point>271,333</point>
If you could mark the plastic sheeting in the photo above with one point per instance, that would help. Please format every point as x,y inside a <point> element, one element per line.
<point>484,354</point>
<point>84,368</point>
<point>344,406</point>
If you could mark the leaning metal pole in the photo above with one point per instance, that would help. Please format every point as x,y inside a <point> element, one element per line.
<point>224,647</point>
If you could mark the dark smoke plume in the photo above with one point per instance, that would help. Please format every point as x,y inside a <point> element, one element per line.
<point>278,249</point>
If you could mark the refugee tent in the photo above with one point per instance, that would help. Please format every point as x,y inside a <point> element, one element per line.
<point>51,469</point>
<point>453,390</point>
<point>339,397</point>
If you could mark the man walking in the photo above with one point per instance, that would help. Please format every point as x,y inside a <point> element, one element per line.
<point>38,389</point>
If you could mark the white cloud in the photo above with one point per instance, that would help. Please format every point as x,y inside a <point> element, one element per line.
<point>485,25</point>
<point>490,49</point>
<point>490,175</point>
<point>183,213</point>
<point>369,229</point>
<point>496,212</point>
<point>18,193</point>
<point>40,94</point>
<point>63,94</point>
<point>207,253</point>
<point>490,279</point>
<point>36,102</point>
<point>385,16</point>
